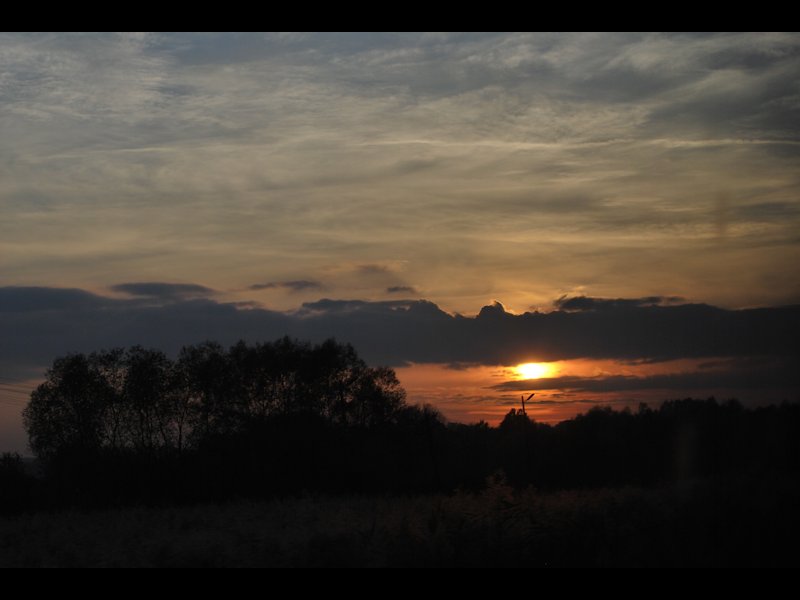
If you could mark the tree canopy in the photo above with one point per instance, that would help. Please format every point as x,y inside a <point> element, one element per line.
<point>140,398</point>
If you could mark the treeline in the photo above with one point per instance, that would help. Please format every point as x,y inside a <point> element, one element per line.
<point>133,426</point>
<point>140,399</point>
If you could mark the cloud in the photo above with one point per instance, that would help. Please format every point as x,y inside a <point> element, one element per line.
<point>39,324</point>
<point>164,291</point>
<point>297,285</point>
<point>374,269</point>
<point>775,374</point>
<point>581,303</point>
<point>460,366</point>
<point>327,307</point>
<point>520,161</point>
<point>401,289</point>
<point>561,402</point>
<point>45,299</point>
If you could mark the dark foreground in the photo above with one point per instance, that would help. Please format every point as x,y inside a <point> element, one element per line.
<point>286,454</point>
<point>734,522</point>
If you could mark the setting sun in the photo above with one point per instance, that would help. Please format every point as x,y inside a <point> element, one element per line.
<point>533,370</point>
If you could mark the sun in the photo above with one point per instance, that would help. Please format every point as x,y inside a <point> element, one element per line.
<point>533,370</point>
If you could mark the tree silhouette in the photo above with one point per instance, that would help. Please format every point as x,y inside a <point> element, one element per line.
<point>67,411</point>
<point>255,420</point>
<point>140,399</point>
<point>146,392</point>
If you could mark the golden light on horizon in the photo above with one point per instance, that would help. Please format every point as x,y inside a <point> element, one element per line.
<point>533,370</point>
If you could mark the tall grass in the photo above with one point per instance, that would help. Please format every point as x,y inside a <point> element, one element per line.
<point>736,522</point>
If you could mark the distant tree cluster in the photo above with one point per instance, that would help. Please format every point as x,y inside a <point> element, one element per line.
<point>140,399</point>
<point>681,440</point>
<point>134,426</point>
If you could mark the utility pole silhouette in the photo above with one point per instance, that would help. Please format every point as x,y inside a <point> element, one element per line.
<point>524,400</point>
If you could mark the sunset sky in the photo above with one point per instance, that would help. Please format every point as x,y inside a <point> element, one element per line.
<point>623,206</point>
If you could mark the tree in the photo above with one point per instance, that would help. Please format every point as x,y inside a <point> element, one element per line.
<point>110,367</point>
<point>146,395</point>
<point>377,397</point>
<point>203,374</point>
<point>67,411</point>
<point>140,399</point>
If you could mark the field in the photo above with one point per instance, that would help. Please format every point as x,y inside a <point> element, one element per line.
<point>736,522</point>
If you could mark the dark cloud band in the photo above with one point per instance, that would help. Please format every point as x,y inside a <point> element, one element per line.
<point>40,323</point>
<point>164,290</point>
<point>776,374</point>
<point>297,285</point>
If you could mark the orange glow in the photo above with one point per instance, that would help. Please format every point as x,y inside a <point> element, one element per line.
<point>533,370</point>
<point>467,394</point>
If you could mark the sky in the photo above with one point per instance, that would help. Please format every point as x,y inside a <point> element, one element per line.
<point>625,207</point>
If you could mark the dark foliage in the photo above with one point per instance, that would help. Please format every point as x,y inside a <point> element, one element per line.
<point>691,483</point>
<point>138,399</point>
<point>17,485</point>
<point>134,427</point>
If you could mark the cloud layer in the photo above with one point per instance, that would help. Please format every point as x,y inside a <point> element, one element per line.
<point>42,323</point>
<point>736,376</point>
<point>296,285</point>
<point>752,354</point>
<point>164,291</point>
<point>516,166</point>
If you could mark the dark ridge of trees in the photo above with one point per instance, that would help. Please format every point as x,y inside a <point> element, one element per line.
<point>132,426</point>
<point>138,399</point>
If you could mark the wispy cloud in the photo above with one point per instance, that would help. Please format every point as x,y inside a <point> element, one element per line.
<point>401,289</point>
<point>579,303</point>
<point>483,163</point>
<point>375,268</point>
<point>160,290</point>
<point>765,375</point>
<point>296,285</point>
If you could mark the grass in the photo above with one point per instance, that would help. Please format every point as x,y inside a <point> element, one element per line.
<point>732,523</point>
